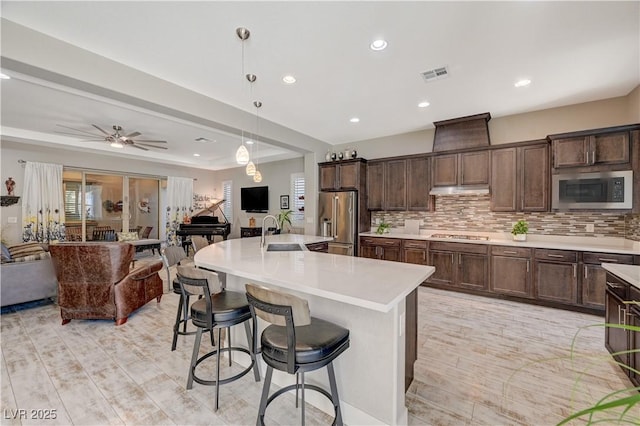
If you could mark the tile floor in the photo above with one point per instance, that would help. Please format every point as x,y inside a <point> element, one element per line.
<point>477,364</point>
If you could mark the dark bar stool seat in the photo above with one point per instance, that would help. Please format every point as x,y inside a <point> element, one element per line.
<point>295,343</point>
<point>222,309</point>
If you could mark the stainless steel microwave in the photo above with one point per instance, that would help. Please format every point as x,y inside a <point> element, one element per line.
<point>592,191</point>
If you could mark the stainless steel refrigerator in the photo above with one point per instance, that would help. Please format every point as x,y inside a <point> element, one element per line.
<point>338,218</point>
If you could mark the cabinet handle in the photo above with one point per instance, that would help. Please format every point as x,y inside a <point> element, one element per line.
<point>510,252</point>
<point>624,316</point>
<point>605,259</point>
<point>586,271</point>
<point>528,261</point>
<point>619,308</point>
<point>424,256</point>
<point>575,270</point>
<point>452,258</point>
<point>559,256</point>
<point>588,158</point>
<point>614,285</point>
<point>593,156</point>
<point>460,260</point>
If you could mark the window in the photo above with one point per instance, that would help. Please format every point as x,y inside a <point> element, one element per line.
<point>227,206</point>
<point>297,199</point>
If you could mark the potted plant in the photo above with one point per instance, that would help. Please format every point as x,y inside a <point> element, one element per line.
<point>383,228</point>
<point>519,230</point>
<point>284,217</point>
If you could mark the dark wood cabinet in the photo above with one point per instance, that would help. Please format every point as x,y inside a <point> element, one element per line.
<point>375,185</point>
<point>594,276</point>
<point>415,251</point>
<point>511,271</point>
<point>616,340</point>
<point>399,184</point>
<point>520,178</point>
<point>467,168</point>
<point>322,247</point>
<point>395,185</point>
<point>556,276</point>
<point>634,337</point>
<point>602,147</point>
<point>343,175</point>
<point>419,184</point>
<point>459,265</point>
<point>381,248</point>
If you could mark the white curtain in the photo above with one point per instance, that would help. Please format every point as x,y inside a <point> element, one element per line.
<point>42,203</point>
<point>179,205</point>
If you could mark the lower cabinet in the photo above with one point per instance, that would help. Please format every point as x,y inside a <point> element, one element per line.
<point>511,271</point>
<point>381,248</point>
<point>594,276</point>
<point>556,276</point>
<point>459,265</point>
<point>415,251</point>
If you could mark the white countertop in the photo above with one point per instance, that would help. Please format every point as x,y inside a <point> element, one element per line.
<point>373,284</point>
<point>629,273</point>
<point>597,244</point>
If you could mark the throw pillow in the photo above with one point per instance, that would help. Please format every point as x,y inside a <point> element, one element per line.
<point>127,236</point>
<point>26,249</point>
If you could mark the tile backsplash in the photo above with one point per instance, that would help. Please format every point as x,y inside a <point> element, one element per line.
<point>472,213</point>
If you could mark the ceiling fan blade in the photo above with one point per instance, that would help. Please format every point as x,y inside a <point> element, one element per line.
<point>139,147</point>
<point>92,140</point>
<point>77,130</point>
<point>150,146</point>
<point>103,131</point>
<point>78,135</point>
<point>133,135</point>
<point>149,141</point>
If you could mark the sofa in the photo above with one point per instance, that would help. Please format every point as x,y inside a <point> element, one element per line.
<point>96,280</point>
<point>26,274</point>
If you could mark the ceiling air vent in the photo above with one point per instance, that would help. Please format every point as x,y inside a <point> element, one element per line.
<point>435,74</point>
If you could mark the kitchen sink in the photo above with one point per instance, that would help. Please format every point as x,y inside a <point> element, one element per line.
<point>284,247</point>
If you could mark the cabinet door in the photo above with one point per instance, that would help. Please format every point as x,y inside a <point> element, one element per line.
<point>534,178</point>
<point>418,185</point>
<point>556,282</point>
<point>445,170</point>
<point>348,176</point>
<point>473,271</point>
<point>391,253</point>
<point>375,186</point>
<point>511,275</point>
<point>443,261</point>
<point>395,188</point>
<point>415,255</point>
<point>610,148</point>
<point>615,339</point>
<point>474,168</point>
<point>328,177</point>
<point>368,251</point>
<point>593,286</point>
<point>634,343</point>
<point>503,180</point>
<point>571,152</point>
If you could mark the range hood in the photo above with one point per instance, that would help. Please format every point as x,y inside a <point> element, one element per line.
<point>460,190</point>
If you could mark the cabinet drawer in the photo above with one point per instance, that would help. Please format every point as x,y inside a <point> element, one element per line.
<point>557,255</point>
<point>419,244</point>
<point>510,251</point>
<point>617,286</point>
<point>386,242</point>
<point>598,258</point>
<point>459,247</point>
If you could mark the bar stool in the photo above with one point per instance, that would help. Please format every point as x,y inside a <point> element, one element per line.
<point>222,309</point>
<point>295,342</point>
<point>171,256</point>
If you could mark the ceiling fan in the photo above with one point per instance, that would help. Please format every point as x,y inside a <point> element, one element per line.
<point>116,139</point>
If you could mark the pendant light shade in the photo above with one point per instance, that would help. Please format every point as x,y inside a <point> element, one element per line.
<point>257,177</point>
<point>251,168</point>
<point>242,155</point>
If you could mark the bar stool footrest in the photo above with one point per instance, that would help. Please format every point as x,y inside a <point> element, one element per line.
<point>306,387</point>
<point>229,379</point>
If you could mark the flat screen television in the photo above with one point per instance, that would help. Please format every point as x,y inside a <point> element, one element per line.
<point>254,199</point>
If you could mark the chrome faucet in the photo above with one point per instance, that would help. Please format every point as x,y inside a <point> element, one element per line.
<point>263,239</point>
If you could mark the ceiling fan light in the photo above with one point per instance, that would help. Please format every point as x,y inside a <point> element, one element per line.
<point>242,155</point>
<point>257,177</point>
<point>251,168</point>
<point>116,144</point>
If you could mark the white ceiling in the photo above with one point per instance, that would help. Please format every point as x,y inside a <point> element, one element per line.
<point>572,51</point>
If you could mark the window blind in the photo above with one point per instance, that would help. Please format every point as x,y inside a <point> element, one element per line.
<point>297,202</point>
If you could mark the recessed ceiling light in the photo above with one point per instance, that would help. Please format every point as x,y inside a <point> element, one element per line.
<point>424,104</point>
<point>378,45</point>
<point>196,155</point>
<point>289,79</point>
<point>522,83</point>
<point>355,120</point>
<point>4,76</point>
<point>249,142</point>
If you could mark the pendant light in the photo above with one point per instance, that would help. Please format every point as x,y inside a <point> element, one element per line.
<point>251,167</point>
<point>242,154</point>
<point>257,177</point>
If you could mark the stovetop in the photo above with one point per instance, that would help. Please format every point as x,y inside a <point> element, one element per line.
<point>460,237</point>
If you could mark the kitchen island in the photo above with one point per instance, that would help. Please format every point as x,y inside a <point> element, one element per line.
<point>364,295</point>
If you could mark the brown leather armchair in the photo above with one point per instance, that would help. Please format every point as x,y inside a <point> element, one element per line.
<point>95,281</point>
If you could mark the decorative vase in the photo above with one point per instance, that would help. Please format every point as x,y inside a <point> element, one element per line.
<point>354,154</point>
<point>520,237</point>
<point>328,156</point>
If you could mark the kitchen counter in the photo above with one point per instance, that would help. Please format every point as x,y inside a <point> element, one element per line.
<point>366,296</point>
<point>601,244</point>
<point>629,273</point>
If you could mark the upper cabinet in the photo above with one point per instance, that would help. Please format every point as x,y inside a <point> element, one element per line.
<point>605,149</point>
<point>520,178</point>
<point>399,184</point>
<point>343,175</point>
<point>466,168</point>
